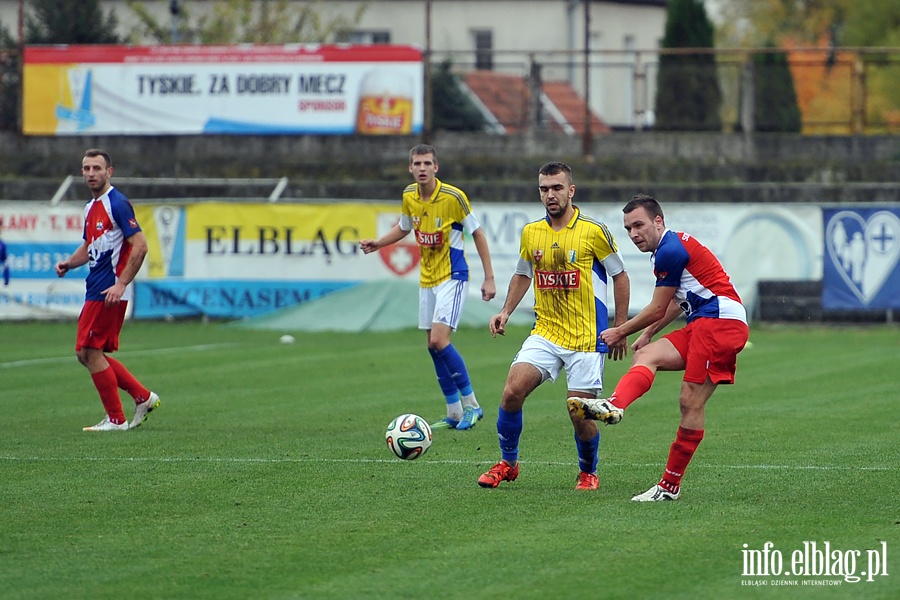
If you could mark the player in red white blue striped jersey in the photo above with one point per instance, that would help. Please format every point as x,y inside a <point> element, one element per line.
<point>4,266</point>
<point>114,247</point>
<point>690,280</point>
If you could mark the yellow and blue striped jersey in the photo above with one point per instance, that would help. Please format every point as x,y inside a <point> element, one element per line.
<point>570,270</point>
<point>438,224</point>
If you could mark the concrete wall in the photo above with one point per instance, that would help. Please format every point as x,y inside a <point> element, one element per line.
<point>686,167</point>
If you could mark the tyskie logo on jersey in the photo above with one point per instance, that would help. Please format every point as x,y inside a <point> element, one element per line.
<point>430,240</point>
<point>558,280</point>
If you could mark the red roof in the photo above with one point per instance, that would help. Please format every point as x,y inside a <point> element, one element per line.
<point>508,98</point>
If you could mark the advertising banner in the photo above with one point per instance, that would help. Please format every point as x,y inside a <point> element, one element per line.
<point>290,89</point>
<point>37,237</point>
<point>862,249</point>
<point>753,242</point>
<point>229,260</point>
<point>234,260</point>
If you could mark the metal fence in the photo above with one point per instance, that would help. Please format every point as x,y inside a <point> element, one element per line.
<point>839,91</point>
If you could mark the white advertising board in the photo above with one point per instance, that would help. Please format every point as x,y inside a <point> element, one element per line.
<point>244,89</point>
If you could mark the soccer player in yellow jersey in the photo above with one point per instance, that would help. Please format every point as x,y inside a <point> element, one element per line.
<point>570,259</point>
<point>440,214</point>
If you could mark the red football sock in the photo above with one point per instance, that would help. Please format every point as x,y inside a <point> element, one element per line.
<point>634,384</point>
<point>680,454</point>
<point>105,382</point>
<point>127,381</point>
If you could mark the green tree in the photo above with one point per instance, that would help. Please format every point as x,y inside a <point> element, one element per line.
<point>687,93</point>
<point>754,22</point>
<point>452,109</point>
<point>775,96</point>
<point>50,22</point>
<point>877,23</point>
<point>67,22</point>
<point>826,23</point>
<point>247,22</point>
<point>872,23</point>
<point>9,81</point>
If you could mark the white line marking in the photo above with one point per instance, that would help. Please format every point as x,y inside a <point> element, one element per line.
<point>235,460</point>
<point>71,357</point>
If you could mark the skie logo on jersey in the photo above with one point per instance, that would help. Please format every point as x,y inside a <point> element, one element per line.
<point>430,240</point>
<point>558,280</point>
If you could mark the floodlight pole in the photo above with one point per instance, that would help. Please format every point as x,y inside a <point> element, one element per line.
<point>21,119</point>
<point>21,26</point>
<point>426,57</point>
<point>175,9</point>
<point>587,143</point>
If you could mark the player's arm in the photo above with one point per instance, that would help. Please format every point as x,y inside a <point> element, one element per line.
<point>393,236</point>
<point>674,311</point>
<point>138,243</point>
<point>656,311</point>
<point>518,286</point>
<point>621,296</point>
<point>4,266</point>
<point>489,287</point>
<point>605,250</point>
<point>78,258</point>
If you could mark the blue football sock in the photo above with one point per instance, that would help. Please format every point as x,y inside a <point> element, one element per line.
<point>448,386</point>
<point>445,380</point>
<point>509,428</point>
<point>456,366</point>
<point>588,453</point>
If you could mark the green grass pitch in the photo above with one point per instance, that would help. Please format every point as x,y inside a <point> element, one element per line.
<point>264,473</point>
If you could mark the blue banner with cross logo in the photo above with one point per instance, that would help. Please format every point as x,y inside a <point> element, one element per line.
<point>860,259</point>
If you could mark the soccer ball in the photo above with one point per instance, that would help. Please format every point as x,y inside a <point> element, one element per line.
<point>408,436</point>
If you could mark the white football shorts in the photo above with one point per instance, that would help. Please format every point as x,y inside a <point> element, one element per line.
<point>584,370</point>
<point>442,303</point>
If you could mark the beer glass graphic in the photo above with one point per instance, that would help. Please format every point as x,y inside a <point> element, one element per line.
<point>385,103</point>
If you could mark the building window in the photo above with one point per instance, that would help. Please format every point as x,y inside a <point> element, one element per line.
<point>484,45</point>
<point>363,37</point>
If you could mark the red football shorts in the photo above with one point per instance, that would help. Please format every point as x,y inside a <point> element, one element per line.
<point>99,325</point>
<point>710,347</point>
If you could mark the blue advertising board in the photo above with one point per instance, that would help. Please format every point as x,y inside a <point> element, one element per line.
<point>860,266</point>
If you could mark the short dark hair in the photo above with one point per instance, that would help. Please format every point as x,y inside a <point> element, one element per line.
<point>555,168</point>
<point>92,152</point>
<point>422,149</point>
<point>649,203</point>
